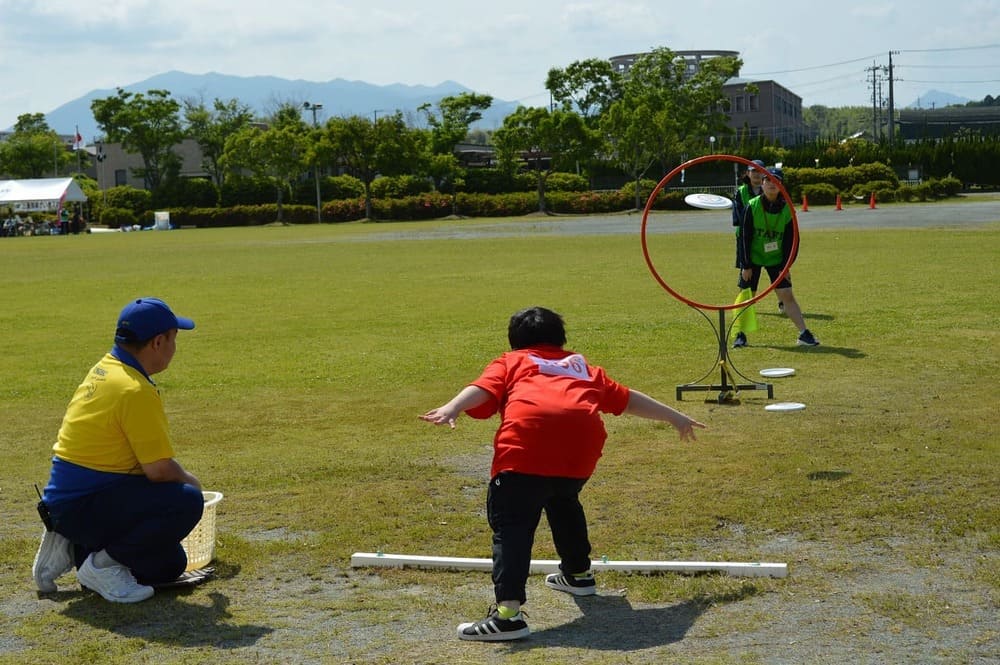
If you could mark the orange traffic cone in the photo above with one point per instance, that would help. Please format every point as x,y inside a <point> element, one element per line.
<point>805,203</point>
<point>839,206</point>
<point>871,202</point>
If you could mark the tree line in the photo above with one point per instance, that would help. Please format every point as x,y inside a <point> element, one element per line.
<point>637,125</point>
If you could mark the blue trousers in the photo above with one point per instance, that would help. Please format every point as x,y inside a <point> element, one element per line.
<point>514,505</point>
<point>140,523</point>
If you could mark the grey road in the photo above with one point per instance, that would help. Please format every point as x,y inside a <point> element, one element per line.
<point>968,211</point>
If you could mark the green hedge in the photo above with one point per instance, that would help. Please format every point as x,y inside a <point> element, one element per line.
<point>242,216</point>
<point>436,205</point>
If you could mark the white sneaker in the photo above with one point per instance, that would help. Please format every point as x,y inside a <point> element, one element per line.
<point>53,559</point>
<point>114,583</point>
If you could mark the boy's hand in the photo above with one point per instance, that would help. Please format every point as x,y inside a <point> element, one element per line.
<point>440,416</point>
<point>686,427</point>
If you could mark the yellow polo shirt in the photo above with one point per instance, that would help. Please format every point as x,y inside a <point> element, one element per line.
<point>115,421</point>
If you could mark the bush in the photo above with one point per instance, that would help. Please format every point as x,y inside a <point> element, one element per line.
<point>186,193</point>
<point>646,187</point>
<point>115,218</point>
<point>820,193</point>
<point>864,190</point>
<point>495,181</point>
<point>952,186</point>
<point>125,197</point>
<point>906,193</point>
<point>341,187</point>
<point>399,186</point>
<point>248,191</point>
<point>243,215</point>
<point>344,210</point>
<point>566,182</point>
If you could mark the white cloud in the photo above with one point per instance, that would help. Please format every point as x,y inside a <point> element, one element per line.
<point>52,51</point>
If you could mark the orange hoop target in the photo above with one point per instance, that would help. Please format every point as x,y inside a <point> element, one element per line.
<point>649,206</point>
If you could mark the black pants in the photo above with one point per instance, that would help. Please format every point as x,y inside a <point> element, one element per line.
<point>514,505</point>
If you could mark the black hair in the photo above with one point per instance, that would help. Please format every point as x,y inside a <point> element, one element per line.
<point>535,325</point>
<point>128,340</point>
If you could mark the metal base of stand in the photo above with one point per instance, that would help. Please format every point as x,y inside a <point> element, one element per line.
<point>728,387</point>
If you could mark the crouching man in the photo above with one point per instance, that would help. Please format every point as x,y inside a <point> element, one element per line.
<point>117,504</point>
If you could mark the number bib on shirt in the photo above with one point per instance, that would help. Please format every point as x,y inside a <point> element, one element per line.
<point>572,365</point>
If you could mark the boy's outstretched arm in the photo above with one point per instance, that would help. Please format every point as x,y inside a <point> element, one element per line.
<point>644,406</point>
<point>468,398</point>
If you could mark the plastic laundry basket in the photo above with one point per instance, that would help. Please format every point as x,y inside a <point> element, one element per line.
<point>200,543</point>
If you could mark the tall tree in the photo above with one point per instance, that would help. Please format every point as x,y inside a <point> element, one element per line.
<point>546,141</point>
<point>146,124</point>
<point>449,125</point>
<point>369,148</point>
<point>33,150</point>
<point>637,136</point>
<point>210,127</point>
<point>665,111</point>
<point>588,87</point>
<point>277,153</point>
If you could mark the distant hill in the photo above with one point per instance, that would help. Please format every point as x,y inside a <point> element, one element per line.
<point>263,94</point>
<point>935,99</point>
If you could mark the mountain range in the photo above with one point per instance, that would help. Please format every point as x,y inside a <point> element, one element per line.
<point>338,97</point>
<point>264,94</point>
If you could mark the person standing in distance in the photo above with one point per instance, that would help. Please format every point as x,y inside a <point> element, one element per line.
<point>545,449</point>
<point>117,504</point>
<point>765,242</point>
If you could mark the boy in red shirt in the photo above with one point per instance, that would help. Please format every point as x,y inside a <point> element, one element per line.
<point>546,448</point>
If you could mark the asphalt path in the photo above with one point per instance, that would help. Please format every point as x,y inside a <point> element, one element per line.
<point>970,211</point>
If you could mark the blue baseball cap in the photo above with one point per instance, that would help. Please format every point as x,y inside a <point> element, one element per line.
<point>145,318</point>
<point>776,172</point>
<point>756,162</point>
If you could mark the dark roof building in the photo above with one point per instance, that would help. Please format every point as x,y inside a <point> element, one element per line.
<point>917,124</point>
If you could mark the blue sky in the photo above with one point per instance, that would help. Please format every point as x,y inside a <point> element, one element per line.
<point>53,51</point>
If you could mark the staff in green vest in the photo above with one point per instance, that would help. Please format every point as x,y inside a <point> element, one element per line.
<point>765,241</point>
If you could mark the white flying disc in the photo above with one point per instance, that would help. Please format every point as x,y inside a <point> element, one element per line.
<point>777,372</point>
<point>785,406</point>
<point>708,201</point>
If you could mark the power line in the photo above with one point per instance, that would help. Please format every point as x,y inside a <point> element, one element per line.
<point>806,69</point>
<point>956,48</point>
<point>950,81</point>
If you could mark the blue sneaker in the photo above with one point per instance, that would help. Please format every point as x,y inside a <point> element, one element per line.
<point>740,341</point>
<point>806,339</point>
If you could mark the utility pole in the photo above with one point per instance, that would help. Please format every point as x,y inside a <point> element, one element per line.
<point>892,107</point>
<point>874,83</point>
<point>319,203</point>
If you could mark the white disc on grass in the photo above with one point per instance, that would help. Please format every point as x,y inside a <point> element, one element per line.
<point>708,201</point>
<point>785,406</point>
<point>777,372</point>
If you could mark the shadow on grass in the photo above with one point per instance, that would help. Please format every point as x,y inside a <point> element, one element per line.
<point>845,351</point>
<point>168,618</point>
<point>610,623</point>
<point>828,475</point>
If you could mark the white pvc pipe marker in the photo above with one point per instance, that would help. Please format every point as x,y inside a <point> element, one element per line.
<point>736,569</point>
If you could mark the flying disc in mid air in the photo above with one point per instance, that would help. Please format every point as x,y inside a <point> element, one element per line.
<point>708,201</point>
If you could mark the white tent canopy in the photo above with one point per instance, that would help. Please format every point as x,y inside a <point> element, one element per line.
<point>40,193</point>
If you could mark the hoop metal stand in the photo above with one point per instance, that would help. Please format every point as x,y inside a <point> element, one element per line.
<point>728,387</point>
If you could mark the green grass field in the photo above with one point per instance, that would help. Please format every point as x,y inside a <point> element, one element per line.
<point>316,348</point>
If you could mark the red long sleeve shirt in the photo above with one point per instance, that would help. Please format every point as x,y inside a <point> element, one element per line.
<point>550,401</point>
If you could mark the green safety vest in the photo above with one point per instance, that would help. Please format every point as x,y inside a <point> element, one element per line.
<point>768,233</point>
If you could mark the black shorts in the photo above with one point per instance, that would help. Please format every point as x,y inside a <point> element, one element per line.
<point>772,273</point>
